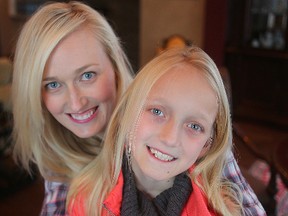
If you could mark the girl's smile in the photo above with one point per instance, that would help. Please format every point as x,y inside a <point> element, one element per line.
<point>160,155</point>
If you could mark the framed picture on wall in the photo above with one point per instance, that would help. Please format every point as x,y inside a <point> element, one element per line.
<point>23,8</point>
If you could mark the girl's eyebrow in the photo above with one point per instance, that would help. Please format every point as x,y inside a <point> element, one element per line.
<point>157,98</point>
<point>199,116</point>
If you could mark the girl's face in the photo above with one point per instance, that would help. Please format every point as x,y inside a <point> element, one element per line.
<point>176,123</point>
<point>79,86</point>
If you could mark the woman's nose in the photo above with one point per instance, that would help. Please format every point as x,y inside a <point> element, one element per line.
<point>77,98</point>
<point>170,133</point>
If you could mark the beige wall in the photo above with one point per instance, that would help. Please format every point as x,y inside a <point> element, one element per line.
<point>161,18</point>
<point>9,29</point>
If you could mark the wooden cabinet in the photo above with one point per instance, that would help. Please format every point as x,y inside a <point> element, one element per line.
<point>258,24</point>
<point>256,54</point>
<point>266,24</point>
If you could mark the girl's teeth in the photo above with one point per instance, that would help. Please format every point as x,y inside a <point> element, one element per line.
<point>160,155</point>
<point>83,117</point>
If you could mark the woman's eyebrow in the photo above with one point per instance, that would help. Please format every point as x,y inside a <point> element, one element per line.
<point>84,67</point>
<point>76,71</point>
<point>49,78</point>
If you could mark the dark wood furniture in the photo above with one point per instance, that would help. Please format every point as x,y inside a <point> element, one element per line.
<point>269,144</point>
<point>280,160</point>
<point>259,73</point>
<point>258,69</point>
<point>12,177</point>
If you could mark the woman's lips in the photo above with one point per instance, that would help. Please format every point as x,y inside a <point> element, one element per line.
<point>84,117</point>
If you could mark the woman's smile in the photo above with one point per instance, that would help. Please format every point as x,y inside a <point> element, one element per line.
<point>84,117</point>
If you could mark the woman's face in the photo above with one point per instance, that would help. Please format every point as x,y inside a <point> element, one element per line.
<point>79,86</point>
<point>176,123</point>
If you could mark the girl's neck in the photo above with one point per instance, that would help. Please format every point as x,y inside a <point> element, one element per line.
<point>150,186</point>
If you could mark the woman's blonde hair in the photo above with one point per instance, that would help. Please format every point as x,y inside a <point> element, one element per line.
<point>97,179</point>
<point>39,138</point>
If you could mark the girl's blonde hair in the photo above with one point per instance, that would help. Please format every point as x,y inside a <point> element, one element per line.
<point>39,138</point>
<point>97,179</point>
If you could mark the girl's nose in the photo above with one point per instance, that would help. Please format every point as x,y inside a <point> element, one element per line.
<point>170,133</point>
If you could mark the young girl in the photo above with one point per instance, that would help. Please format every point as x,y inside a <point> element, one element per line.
<point>166,145</point>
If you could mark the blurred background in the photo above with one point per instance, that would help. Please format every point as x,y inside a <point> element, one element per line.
<point>247,39</point>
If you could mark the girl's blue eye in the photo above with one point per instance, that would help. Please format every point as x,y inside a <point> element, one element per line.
<point>88,75</point>
<point>195,127</point>
<point>52,85</point>
<point>157,112</point>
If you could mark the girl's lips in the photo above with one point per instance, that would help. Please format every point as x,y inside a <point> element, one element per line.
<point>85,116</point>
<point>160,155</point>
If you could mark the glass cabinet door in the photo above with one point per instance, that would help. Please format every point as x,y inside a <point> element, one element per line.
<point>267,24</point>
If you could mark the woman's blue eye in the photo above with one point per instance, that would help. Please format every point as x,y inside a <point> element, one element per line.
<point>52,85</point>
<point>157,112</point>
<point>88,75</point>
<point>195,127</point>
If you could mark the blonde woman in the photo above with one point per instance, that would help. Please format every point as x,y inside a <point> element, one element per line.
<point>166,145</point>
<point>69,72</point>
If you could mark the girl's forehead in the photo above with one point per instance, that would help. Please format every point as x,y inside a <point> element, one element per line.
<point>186,92</point>
<point>182,78</point>
<point>180,73</point>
